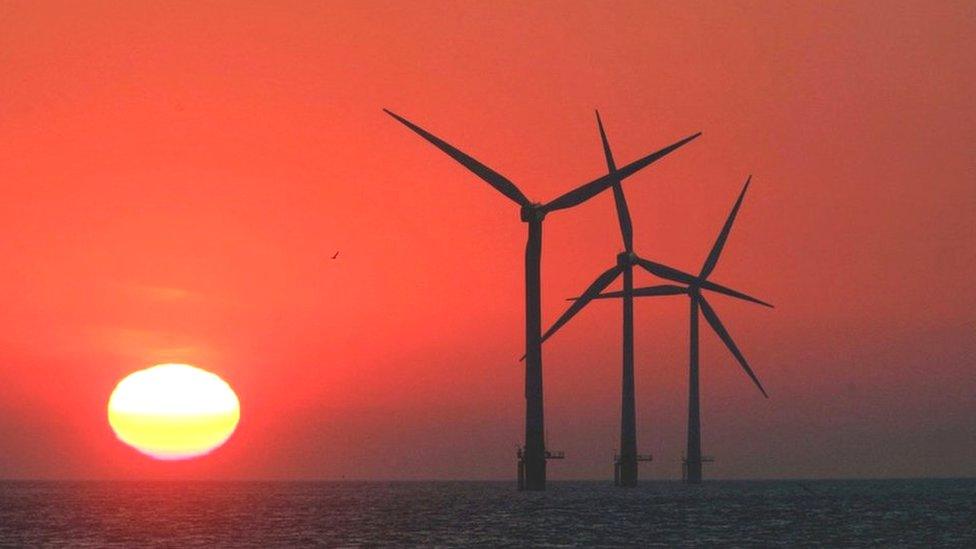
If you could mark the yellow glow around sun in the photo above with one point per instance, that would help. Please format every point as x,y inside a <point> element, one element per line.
<point>173,411</point>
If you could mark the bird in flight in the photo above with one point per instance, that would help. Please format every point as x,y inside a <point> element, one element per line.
<point>336,255</point>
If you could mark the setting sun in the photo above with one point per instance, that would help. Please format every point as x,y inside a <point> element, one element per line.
<point>173,411</point>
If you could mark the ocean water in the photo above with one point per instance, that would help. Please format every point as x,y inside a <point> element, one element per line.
<point>287,514</point>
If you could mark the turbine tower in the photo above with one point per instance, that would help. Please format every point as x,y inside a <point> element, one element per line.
<point>692,288</point>
<point>625,464</point>
<point>532,459</point>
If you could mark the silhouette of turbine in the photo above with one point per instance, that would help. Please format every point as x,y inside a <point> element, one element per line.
<point>693,286</point>
<point>534,456</point>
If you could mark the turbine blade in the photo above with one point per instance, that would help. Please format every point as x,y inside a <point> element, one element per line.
<point>667,273</point>
<point>708,285</point>
<point>623,216</point>
<point>663,289</point>
<point>493,178</point>
<point>591,189</point>
<point>611,166</point>
<point>605,295</point>
<point>716,324</point>
<point>620,201</point>
<point>594,290</point>
<point>637,165</point>
<point>722,236</point>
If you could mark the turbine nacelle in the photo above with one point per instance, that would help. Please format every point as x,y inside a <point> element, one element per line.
<point>532,212</point>
<point>626,259</point>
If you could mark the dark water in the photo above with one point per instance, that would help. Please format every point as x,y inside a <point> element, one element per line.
<point>265,514</point>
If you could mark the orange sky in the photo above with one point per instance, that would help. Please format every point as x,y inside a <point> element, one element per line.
<point>175,177</point>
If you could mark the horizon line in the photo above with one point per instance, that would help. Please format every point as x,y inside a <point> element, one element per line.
<point>475,480</point>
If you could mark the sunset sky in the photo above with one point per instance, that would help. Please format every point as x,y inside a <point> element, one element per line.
<point>175,177</point>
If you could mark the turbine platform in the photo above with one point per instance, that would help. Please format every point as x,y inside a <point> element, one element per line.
<point>684,466</point>
<point>617,462</point>
<point>520,455</point>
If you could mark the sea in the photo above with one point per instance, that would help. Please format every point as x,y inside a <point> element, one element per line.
<point>832,513</point>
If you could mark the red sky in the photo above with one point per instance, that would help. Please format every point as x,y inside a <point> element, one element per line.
<point>175,177</point>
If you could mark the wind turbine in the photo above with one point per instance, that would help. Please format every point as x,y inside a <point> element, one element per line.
<point>692,288</point>
<point>625,466</point>
<point>534,455</point>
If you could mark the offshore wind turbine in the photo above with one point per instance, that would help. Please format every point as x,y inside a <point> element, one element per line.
<point>532,464</point>
<point>625,465</point>
<point>692,288</point>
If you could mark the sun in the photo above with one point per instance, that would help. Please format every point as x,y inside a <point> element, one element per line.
<point>173,411</point>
